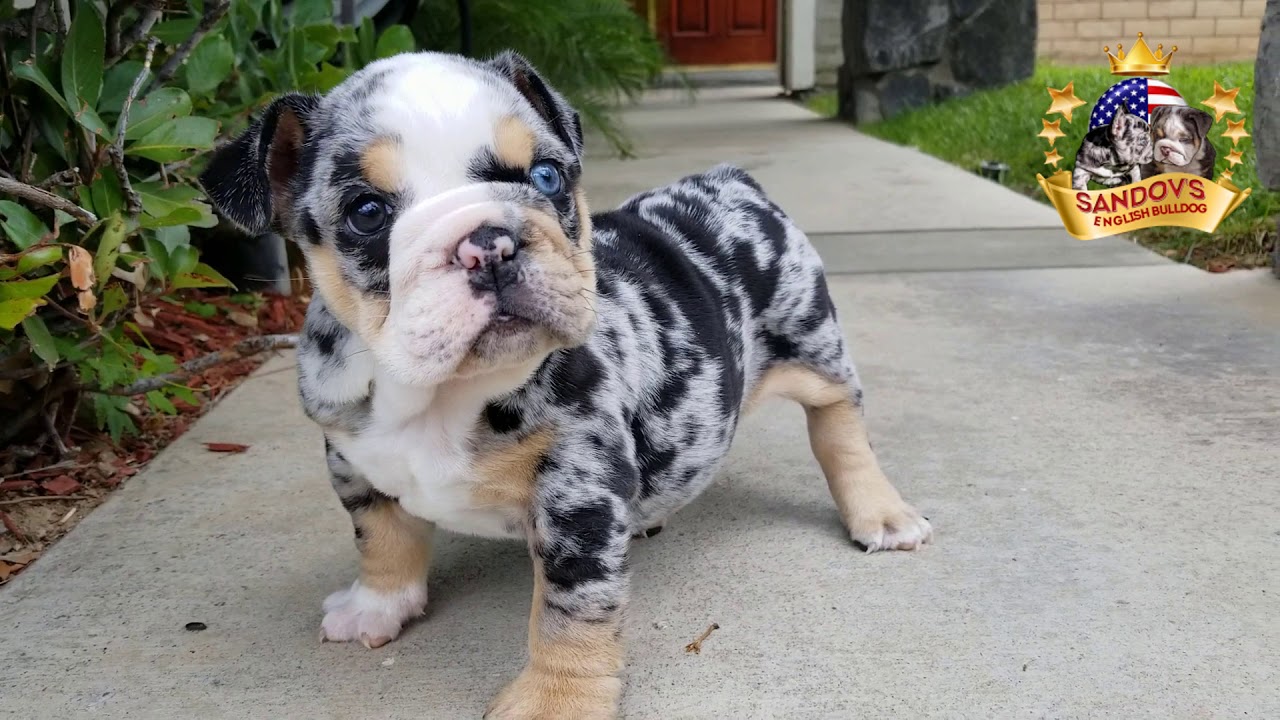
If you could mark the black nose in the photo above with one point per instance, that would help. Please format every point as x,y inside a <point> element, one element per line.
<point>489,254</point>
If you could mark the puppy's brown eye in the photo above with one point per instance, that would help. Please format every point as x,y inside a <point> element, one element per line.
<point>367,215</point>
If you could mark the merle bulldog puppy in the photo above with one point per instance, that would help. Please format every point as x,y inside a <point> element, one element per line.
<point>485,356</point>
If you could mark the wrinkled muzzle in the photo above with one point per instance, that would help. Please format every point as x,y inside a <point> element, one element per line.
<point>480,283</point>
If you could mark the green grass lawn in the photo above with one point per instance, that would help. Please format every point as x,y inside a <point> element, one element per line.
<point>1002,124</point>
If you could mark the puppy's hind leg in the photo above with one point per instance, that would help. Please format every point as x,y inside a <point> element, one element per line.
<point>875,514</point>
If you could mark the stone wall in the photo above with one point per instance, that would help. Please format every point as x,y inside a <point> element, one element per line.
<point>901,54</point>
<point>1203,30</point>
<point>828,54</point>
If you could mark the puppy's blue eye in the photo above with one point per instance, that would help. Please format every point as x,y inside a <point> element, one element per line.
<point>367,215</point>
<point>546,178</point>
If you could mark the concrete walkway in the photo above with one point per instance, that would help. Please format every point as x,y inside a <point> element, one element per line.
<point>1091,429</point>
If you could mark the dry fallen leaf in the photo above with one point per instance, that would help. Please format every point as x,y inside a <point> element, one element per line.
<point>243,319</point>
<point>88,301</point>
<point>20,557</point>
<point>142,318</point>
<point>5,571</point>
<point>81,264</point>
<point>225,447</point>
<point>61,485</point>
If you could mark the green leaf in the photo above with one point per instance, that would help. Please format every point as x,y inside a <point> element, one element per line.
<point>395,40</point>
<point>173,205</point>
<point>106,194</point>
<point>160,402</point>
<point>156,109</point>
<point>41,340</point>
<point>28,289</point>
<point>209,65</point>
<point>109,410</point>
<point>202,276</point>
<point>367,42</point>
<point>89,120</point>
<point>82,57</point>
<point>159,199</point>
<point>104,258</point>
<point>311,12</point>
<point>21,225</point>
<point>324,35</point>
<point>325,79</point>
<point>172,238</point>
<point>173,32</point>
<point>185,395</point>
<point>116,85</point>
<point>182,260</point>
<point>180,216</point>
<point>39,257</point>
<point>29,72</point>
<point>175,140</point>
<point>204,310</point>
<point>15,311</point>
<point>115,298</point>
<point>51,123</point>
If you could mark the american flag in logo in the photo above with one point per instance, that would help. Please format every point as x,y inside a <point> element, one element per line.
<point>1139,95</point>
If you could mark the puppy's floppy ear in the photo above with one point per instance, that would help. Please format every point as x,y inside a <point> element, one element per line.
<point>1202,120</point>
<point>550,104</point>
<point>250,178</point>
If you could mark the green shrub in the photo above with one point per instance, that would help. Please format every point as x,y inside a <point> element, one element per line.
<point>103,122</point>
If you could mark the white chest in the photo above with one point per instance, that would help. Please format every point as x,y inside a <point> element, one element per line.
<point>421,453</point>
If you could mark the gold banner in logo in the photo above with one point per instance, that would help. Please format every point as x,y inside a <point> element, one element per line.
<point>1168,200</point>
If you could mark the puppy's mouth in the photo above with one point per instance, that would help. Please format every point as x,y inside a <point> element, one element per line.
<point>1174,156</point>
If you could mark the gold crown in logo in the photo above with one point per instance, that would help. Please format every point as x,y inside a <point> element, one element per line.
<point>1140,60</point>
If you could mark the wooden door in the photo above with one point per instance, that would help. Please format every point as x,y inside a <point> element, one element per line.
<point>719,32</point>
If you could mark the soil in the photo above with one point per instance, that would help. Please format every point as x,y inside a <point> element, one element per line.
<point>44,492</point>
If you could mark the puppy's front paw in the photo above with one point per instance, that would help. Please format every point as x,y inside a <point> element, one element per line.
<point>537,695</point>
<point>372,617</point>
<point>890,525</point>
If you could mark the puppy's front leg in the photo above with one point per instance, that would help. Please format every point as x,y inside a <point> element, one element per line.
<point>575,626</point>
<point>395,550</point>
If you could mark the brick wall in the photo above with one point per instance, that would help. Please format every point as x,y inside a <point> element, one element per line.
<point>1203,30</point>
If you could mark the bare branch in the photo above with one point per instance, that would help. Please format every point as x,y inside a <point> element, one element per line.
<point>145,22</point>
<point>115,16</point>
<point>47,199</point>
<point>43,498</point>
<point>241,350</point>
<point>132,202</point>
<point>213,12</point>
<point>62,178</point>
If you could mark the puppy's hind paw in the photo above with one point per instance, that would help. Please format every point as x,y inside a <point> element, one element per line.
<point>895,527</point>
<point>372,617</point>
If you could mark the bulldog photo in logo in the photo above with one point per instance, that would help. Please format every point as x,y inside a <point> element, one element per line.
<point>1180,137</point>
<point>1147,159</point>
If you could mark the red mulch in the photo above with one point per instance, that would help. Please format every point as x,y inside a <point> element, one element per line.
<point>43,495</point>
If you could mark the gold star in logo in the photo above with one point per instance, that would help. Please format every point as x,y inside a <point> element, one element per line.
<point>1235,131</point>
<point>1051,157</point>
<point>1064,101</point>
<point>1226,175</point>
<point>1235,157</point>
<point>1222,102</point>
<point>1051,131</point>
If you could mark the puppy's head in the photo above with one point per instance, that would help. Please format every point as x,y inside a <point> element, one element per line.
<point>436,200</point>
<point>1179,133</point>
<point>1130,136</point>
